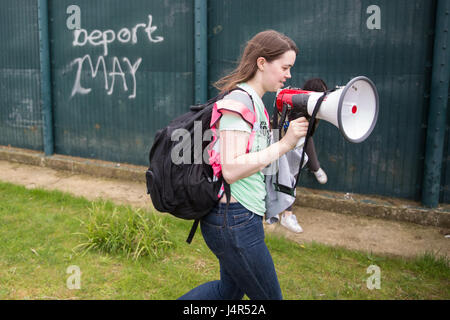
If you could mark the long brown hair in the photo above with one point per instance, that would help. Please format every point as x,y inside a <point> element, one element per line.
<point>268,44</point>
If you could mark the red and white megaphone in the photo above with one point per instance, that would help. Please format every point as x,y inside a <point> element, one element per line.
<point>353,108</point>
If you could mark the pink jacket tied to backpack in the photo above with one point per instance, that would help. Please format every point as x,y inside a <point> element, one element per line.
<point>239,108</point>
<point>217,112</point>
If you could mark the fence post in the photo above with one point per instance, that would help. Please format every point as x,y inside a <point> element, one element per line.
<point>45,81</point>
<point>201,51</point>
<point>437,114</point>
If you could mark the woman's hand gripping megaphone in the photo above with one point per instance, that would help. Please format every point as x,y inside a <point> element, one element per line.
<point>296,131</point>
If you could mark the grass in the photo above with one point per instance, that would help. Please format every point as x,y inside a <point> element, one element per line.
<point>129,231</point>
<point>125,253</point>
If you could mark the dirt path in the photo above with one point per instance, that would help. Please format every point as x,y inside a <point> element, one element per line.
<point>353,232</point>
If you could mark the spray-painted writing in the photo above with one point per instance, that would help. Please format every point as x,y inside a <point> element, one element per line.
<point>114,66</point>
<point>117,71</point>
<point>125,35</point>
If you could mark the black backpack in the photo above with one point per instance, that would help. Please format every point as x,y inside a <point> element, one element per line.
<point>186,190</point>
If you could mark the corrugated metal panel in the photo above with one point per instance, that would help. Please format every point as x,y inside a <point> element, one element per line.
<point>116,124</point>
<point>445,181</point>
<point>20,110</point>
<point>336,45</point>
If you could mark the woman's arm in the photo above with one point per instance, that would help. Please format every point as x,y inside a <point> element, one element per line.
<point>237,164</point>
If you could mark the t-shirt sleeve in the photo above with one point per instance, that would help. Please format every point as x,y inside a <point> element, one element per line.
<point>231,121</point>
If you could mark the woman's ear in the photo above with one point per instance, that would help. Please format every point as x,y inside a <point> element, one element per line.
<point>260,62</point>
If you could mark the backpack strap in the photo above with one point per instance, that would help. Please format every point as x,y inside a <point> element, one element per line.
<point>235,107</point>
<point>192,232</point>
<point>197,221</point>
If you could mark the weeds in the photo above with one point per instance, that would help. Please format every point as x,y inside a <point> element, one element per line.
<point>129,231</point>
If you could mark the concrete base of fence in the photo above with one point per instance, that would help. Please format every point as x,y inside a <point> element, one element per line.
<point>375,206</point>
<point>346,203</point>
<point>91,167</point>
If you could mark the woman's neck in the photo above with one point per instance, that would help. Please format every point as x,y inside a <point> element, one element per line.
<point>257,86</point>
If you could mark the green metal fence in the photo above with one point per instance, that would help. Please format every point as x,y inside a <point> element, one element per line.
<point>20,110</point>
<point>131,67</point>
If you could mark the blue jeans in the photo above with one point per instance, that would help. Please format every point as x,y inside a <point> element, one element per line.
<point>246,266</point>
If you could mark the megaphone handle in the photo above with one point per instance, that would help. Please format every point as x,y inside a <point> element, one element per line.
<point>283,116</point>
<point>308,134</point>
<point>280,125</point>
<point>275,115</point>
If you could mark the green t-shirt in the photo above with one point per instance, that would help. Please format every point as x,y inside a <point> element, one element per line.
<point>250,191</point>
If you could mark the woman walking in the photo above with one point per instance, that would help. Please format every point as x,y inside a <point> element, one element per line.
<point>236,236</point>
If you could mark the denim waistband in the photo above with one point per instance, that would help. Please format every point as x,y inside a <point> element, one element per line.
<point>233,208</point>
<point>236,215</point>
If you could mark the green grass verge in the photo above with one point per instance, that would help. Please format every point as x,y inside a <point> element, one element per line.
<point>39,230</point>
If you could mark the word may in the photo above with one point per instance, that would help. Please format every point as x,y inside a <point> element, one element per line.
<point>125,35</point>
<point>117,71</point>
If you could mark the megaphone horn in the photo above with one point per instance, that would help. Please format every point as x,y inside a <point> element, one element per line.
<point>353,108</point>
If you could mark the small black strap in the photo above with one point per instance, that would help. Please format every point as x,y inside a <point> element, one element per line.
<point>275,116</point>
<point>284,113</point>
<point>281,188</point>
<point>227,194</point>
<point>197,221</point>
<point>192,232</point>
